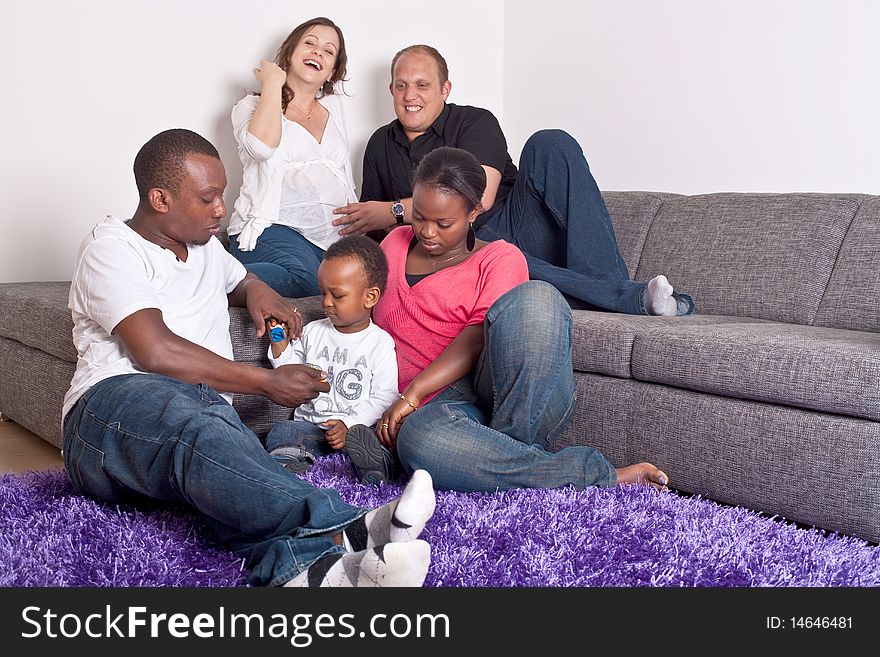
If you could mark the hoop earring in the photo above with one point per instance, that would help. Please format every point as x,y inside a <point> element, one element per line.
<point>471,237</point>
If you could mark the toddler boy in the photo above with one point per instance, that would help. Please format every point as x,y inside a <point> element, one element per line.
<point>357,356</point>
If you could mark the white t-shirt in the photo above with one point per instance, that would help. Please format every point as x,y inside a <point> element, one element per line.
<point>362,369</point>
<point>298,183</point>
<point>118,272</point>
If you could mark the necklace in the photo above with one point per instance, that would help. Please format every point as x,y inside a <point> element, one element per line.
<point>435,262</point>
<point>308,114</point>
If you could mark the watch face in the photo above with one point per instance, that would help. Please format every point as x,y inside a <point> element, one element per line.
<point>398,211</point>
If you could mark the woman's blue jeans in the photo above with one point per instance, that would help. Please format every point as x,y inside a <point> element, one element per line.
<point>489,431</point>
<point>149,436</point>
<point>284,260</point>
<point>556,215</point>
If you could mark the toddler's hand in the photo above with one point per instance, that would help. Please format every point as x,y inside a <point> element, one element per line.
<point>279,336</point>
<point>335,435</point>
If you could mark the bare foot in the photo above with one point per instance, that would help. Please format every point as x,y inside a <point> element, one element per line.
<point>644,474</point>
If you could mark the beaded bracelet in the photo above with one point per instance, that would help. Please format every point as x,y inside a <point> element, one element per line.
<point>413,406</point>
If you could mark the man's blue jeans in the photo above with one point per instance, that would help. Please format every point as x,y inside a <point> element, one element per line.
<point>149,436</point>
<point>284,260</point>
<point>556,216</point>
<point>489,431</point>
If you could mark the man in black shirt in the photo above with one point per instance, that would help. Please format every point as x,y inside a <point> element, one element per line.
<point>551,208</point>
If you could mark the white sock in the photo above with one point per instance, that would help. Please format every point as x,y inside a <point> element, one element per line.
<point>659,299</point>
<point>392,564</point>
<point>402,519</point>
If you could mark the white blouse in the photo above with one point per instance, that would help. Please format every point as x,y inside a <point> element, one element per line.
<point>298,183</point>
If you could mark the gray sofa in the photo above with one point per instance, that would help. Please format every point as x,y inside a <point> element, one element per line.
<point>767,398</point>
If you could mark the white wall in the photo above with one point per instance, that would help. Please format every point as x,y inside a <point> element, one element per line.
<point>697,96</point>
<point>686,96</point>
<point>86,83</point>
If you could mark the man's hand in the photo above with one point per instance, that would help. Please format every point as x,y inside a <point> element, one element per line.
<point>335,435</point>
<point>263,302</point>
<point>361,218</point>
<point>293,385</point>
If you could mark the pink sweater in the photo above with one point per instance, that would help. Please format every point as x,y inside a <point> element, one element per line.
<point>425,318</point>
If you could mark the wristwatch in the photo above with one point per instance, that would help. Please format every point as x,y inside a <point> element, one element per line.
<point>398,211</point>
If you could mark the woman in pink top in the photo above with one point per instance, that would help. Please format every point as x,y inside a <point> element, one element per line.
<point>484,355</point>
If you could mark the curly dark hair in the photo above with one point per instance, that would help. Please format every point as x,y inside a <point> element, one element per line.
<point>367,252</point>
<point>161,162</point>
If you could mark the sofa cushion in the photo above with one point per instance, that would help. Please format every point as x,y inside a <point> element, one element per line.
<point>631,215</point>
<point>32,388</point>
<point>823,369</point>
<point>815,468</point>
<point>602,342</point>
<point>750,255</point>
<point>852,300</point>
<point>257,412</point>
<point>36,315</point>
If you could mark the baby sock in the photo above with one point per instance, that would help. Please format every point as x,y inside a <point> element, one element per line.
<point>659,299</point>
<point>393,564</point>
<point>402,519</point>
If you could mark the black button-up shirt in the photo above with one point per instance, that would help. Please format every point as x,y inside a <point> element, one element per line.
<point>391,158</point>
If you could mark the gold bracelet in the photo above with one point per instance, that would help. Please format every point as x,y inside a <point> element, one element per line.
<point>413,406</point>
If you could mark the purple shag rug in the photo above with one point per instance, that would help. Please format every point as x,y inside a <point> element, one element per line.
<point>622,536</point>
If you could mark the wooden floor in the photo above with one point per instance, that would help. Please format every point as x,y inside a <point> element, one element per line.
<point>22,451</point>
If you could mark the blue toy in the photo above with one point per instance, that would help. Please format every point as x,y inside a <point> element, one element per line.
<point>277,333</point>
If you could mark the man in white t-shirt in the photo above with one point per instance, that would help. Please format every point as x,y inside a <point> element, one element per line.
<point>144,418</point>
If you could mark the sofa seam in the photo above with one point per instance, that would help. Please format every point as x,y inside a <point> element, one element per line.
<point>837,257</point>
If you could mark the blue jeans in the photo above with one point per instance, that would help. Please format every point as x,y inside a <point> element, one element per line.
<point>556,216</point>
<point>283,259</point>
<point>139,436</point>
<point>490,431</point>
<point>298,433</point>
